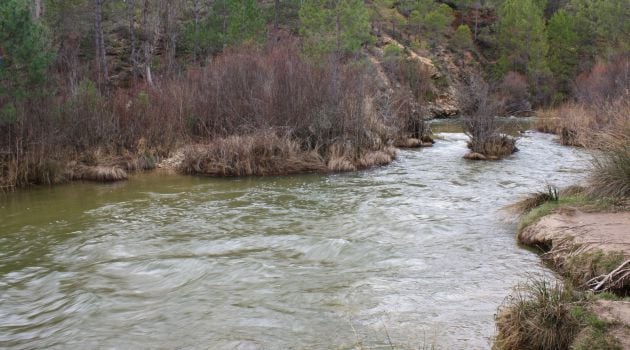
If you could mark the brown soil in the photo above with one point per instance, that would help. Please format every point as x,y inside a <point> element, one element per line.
<point>570,233</point>
<point>608,232</point>
<point>618,314</point>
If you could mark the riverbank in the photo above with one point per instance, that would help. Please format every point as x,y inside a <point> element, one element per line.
<point>287,258</point>
<point>588,243</point>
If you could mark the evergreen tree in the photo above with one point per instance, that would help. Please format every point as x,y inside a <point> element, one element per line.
<point>462,39</point>
<point>521,38</point>
<point>601,24</point>
<point>439,19</point>
<point>563,49</point>
<point>246,21</point>
<point>338,26</point>
<point>26,58</point>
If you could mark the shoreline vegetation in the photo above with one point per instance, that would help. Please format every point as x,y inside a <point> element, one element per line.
<point>582,232</point>
<point>295,116</point>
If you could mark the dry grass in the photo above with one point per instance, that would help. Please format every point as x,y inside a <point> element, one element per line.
<point>610,175</point>
<point>534,200</point>
<point>544,315</point>
<point>547,121</point>
<point>266,153</point>
<point>256,154</point>
<point>99,173</point>
<point>601,107</point>
<point>537,316</point>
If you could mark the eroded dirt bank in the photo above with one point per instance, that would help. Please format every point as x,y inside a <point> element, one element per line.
<point>593,251</point>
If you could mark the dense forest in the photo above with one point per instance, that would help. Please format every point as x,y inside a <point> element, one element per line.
<point>95,89</point>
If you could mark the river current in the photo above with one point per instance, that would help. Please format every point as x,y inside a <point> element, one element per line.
<point>414,254</point>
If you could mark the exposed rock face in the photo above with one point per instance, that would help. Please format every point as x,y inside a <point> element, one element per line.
<point>450,72</point>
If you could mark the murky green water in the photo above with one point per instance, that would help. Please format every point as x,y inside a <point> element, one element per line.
<point>416,251</point>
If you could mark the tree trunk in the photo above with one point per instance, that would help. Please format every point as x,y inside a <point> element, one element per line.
<point>277,14</point>
<point>147,50</point>
<point>170,32</point>
<point>477,9</point>
<point>131,12</point>
<point>101,59</point>
<point>197,10</point>
<point>38,11</point>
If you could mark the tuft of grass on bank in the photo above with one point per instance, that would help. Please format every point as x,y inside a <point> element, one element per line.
<point>538,315</point>
<point>610,175</point>
<point>542,203</point>
<point>548,207</point>
<point>546,315</point>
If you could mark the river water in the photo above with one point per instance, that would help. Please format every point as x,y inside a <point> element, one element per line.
<point>413,254</point>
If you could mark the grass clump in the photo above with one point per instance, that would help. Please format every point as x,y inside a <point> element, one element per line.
<point>545,315</point>
<point>610,175</point>
<point>537,316</point>
<point>535,200</point>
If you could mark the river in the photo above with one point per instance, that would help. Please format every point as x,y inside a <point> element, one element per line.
<point>413,254</point>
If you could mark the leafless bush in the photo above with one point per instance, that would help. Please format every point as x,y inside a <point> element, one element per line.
<point>300,109</point>
<point>514,94</point>
<point>480,123</point>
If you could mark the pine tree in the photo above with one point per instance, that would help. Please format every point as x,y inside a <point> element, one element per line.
<point>462,39</point>
<point>522,40</point>
<point>339,26</point>
<point>26,58</point>
<point>246,21</point>
<point>563,49</point>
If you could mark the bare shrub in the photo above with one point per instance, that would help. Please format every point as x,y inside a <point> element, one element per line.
<point>486,139</point>
<point>606,79</point>
<point>413,86</point>
<point>514,94</point>
<point>301,109</point>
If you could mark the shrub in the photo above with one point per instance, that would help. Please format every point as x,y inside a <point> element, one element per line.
<point>514,94</point>
<point>298,108</point>
<point>462,38</point>
<point>486,140</point>
<point>392,51</point>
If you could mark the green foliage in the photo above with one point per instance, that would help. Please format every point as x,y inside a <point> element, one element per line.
<point>462,38</point>
<point>228,22</point>
<point>26,56</point>
<point>594,334</point>
<point>438,20</point>
<point>393,51</point>
<point>205,37</point>
<point>246,21</point>
<point>521,38</point>
<point>428,15</point>
<point>563,49</point>
<point>338,26</point>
